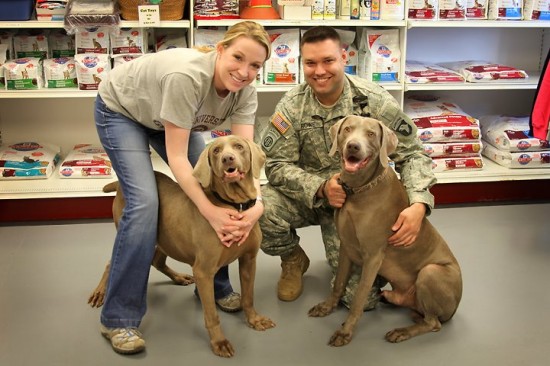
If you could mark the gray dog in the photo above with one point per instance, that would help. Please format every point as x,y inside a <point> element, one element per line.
<point>424,277</point>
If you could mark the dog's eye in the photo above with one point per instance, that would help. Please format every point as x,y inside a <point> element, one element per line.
<point>370,134</point>
<point>239,147</point>
<point>216,150</point>
<point>347,129</point>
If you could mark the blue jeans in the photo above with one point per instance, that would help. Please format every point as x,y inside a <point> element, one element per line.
<point>127,145</point>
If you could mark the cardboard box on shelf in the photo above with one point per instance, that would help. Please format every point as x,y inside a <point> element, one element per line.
<point>295,12</point>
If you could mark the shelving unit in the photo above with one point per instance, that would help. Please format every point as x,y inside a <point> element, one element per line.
<point>65,117</point>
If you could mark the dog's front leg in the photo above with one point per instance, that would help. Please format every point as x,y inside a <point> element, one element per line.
<point>204,280</point>
<point>97,297</point>
<point>368,273</point>
<point>342,277</point>
<point>247,273</point>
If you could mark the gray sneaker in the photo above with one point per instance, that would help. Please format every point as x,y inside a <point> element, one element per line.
<point>124,340</point>
<point>230,303</point>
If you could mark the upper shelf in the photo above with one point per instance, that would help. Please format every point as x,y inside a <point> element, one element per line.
<point>59,24</point>
<point>478,24</point>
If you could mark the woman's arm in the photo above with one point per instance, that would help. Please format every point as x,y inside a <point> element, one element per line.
<point>223,220</point>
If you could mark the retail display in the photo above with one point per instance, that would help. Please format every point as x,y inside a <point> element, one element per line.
<point>28,160</point>
<point>86,161</point>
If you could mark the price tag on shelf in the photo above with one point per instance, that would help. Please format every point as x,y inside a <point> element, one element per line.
<point>149,15</point>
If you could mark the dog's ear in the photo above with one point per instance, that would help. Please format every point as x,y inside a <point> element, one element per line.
<point>257,157</point>
<point>388,144</point>
<point>203,170</point>
<point>333,132</point>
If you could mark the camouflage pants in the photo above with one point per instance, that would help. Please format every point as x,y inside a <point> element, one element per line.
<point>282,216</point>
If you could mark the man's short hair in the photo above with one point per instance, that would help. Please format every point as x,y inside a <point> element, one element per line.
<point>319,34</point>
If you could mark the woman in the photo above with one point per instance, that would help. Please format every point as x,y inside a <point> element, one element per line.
<point>164,100</point>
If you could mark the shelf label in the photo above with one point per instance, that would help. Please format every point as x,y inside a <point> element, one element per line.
<point>149,15</point>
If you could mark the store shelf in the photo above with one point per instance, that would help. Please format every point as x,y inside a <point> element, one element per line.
<point>478,24</point>
<point>59,24</point>
<point>279,23</point>
<point>56,187</point>
<point>530,83</point>
<point>492,172</point>
<point>48,93</point>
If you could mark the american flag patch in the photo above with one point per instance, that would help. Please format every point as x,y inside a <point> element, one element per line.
<point>280,123</point>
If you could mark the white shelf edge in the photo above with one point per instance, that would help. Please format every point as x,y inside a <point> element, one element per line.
<point>60,24</point>
<point>485,23</point>
<point>48,93</point>
<point>491,172</point>
<point>306,23</point>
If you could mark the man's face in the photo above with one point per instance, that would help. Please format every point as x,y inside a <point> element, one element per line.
<point>324,64</point>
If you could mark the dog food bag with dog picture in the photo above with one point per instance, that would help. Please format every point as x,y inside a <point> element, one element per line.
<point>423,9</point>
<point>283,66</point>
<point>417,72</point>
<point>27,160</point>
<point>517,160</point>
<point>86,161</point>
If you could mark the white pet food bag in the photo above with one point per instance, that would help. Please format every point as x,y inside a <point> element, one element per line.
<point>122,59</point>
<point>348,38</point>
<point>417,72</point>
<point>3,58</point>
<point>27,45</point>
<point>166,39</point>
<point>283,65</point>
<point>517,160</point>
<point>505,9</point>
<point>92,40</point>
<point>128,41</point>
<point>90,69</point>
<point>61,44</point>
<point>476,9</point>
<point>510,134</point>
<point>536,10</point>
<point>476,71</point>
<point>28,160</point>
<point>452,9</point>
<point>23,74</point>
<point>379,55</point>
<point>440,165</point>
<point>86,161</point>
<point>423,9</point>
<point>60,73</point>
<point>6,38</point>
<point>206,39</point>
<point>452,149</point>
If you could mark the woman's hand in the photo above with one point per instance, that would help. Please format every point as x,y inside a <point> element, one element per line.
<point>248,219</point>
<point>227,223</point>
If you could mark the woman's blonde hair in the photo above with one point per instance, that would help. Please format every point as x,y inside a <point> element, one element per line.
<point>248,29</point>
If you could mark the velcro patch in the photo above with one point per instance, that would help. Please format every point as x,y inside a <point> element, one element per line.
<point>270,139</point>
<point>280,123</point>
<point>404,128</point>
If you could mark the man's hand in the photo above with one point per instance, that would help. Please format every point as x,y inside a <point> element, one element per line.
<point>333,192</point>
<point>408,225</point>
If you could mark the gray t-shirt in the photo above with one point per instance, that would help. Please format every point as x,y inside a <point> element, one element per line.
<point>175,85</point>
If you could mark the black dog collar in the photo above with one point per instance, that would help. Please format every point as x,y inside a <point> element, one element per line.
<point>238,206</point>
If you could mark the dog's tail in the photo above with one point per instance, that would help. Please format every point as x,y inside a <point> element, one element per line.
<point>111,187</point>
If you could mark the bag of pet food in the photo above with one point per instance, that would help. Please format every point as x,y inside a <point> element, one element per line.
<point>536,10</point>
<point>90,69</point>
<point>86,161</point>
<point>452,9</point>
<point>31,45</point>
<point>417,72</point>
<point>61,44</point>
<point>506,9</point>
<point>28,160</point>
<point>92,40</point>
<point>23,74</point>
<point>60,72</point>
<point>476,9</point>
<point>128,41</point>
<point>475,71</point>
<point>423,9</point>
<point>283,66</point>
<point>380,55</point>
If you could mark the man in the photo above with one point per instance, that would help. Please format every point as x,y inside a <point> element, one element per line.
<point>303,187</point>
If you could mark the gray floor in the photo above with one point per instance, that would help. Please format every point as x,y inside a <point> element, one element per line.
<point>47,272</point>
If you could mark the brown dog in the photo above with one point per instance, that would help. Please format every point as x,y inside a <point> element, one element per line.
<point>424,276</point>
<point>226,170</point>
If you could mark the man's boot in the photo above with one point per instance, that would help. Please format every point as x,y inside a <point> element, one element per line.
<point>294,265</point>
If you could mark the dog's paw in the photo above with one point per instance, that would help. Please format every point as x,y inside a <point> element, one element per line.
<point>96,299</point>
<point>183,279</point>
<point>320,310</point>
<point>398,335</point>
<point>223,349</point>
<point>261,323</point>
<point>340,338</point>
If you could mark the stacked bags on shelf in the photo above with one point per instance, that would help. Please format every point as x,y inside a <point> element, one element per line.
<point>28,160</point>
<point>86,161</point>
<point>508,143</point>
<point>450,136</point>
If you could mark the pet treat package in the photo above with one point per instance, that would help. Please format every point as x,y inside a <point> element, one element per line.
<point>482,71</point>
<point>510,134</point>
<point>23,74</point>
<point>379,55</point>
<point>423,9</point>
<point>28,160</point>
<point>452,9</point>
<point>450,164</point>
<point>525,159</point>
<point>283,66</point>
<point>505,9</point>
<point>452,149</point>
<point>417,72</point>
<point>92,40</point>
<point>60,72</point>
<point>476,9</point>
<point>536,10</point>
<point>90,69</point>
<point>128,41</point>
<point>31,45</point>
<point>86,161</point>
<point>441,121</point>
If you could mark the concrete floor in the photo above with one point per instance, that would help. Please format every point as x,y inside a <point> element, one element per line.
<point>47,271</point>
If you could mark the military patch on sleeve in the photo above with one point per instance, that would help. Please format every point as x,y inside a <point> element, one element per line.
<point>280,122</point>
<point>270,139</point>
<point>404,128</point>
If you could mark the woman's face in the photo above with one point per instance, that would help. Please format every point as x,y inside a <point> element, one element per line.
<point>238,64</point>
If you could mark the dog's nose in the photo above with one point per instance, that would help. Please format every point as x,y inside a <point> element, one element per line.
<point>353,146</point>
<point>228,159</point>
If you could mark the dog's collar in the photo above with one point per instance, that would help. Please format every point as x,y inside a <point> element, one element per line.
<point>350,191</point>
<point>238,206</point>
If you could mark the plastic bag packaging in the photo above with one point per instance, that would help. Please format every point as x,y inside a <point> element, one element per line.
<point>91,13</point>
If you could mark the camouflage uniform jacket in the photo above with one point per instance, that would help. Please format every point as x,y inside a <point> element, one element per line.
<point>297,141</point>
